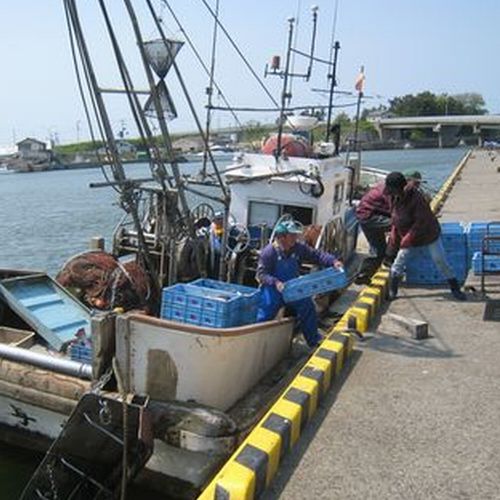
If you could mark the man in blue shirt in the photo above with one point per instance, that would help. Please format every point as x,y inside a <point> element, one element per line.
<point>279,262</point>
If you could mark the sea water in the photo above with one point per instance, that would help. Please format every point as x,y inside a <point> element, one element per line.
<point>48,217</point>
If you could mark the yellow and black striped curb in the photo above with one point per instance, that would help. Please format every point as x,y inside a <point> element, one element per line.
<point>441,196</point>
<point>251,468</point>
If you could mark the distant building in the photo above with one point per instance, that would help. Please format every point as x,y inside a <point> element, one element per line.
<point>30,149</point>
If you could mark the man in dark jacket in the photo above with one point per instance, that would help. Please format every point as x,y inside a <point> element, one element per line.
<point>279,262</point>
<point>374,216</point>
<point>414,225</point>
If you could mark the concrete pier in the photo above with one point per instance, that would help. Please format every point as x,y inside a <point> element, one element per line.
<point>415,419</point>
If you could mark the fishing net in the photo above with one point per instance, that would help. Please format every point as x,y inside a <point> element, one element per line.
<point>101,281</point>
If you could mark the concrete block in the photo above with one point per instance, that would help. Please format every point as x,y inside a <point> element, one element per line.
<point>418,329</point>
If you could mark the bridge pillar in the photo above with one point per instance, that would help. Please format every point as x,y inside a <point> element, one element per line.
<point>437,129</point>
<point>379,129</point>
<point>477,130</point>
<point>449,135</point>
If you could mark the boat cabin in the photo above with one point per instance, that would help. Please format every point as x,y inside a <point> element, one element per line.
<point>313,191</point>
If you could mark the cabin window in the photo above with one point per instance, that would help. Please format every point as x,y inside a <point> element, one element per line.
<point>268,213</point>
<point>263,213</point>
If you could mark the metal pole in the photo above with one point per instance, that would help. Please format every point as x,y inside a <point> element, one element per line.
<point>284,94</point>
<point>65,366</point>
<point>313,41</point>
<point>210,90</point>
<point>356,124</point>
<point>333,84</point>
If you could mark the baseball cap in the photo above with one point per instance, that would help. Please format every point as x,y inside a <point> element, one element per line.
<point>288,227</point>
<point>413,174</point>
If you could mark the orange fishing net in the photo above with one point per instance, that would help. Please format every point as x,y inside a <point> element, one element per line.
<point>101,281</point>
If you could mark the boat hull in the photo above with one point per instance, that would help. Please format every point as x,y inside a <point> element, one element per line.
<point>214,367</point>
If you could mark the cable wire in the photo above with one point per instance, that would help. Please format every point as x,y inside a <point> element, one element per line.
<point>199,58</point>
<point>242,56</point>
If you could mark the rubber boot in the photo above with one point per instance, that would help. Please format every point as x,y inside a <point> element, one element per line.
<point>455,290</point>
<point>393,287</point>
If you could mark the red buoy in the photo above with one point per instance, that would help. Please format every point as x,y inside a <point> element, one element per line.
<point>291,145</point>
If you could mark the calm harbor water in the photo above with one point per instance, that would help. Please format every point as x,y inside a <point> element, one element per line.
<point>49,217</point>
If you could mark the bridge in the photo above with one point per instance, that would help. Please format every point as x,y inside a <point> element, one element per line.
<point>446,127</point>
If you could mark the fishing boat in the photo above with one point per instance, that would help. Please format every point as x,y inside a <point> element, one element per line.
<point>102,373</point>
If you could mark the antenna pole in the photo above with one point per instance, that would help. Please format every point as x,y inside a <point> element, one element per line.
<point>313,41</point>
<point>285,94</point>
<point>333,84</point>
<point>210,90</point>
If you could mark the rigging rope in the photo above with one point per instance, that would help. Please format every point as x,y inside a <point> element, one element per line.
<point>199,58</point>
<point>294,44</point>
<point>334,30</point>
<point>210,89</point>
<point>242,56</point>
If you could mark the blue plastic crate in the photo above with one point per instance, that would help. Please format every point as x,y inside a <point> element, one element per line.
<point>81,352</point>
<point>222,285</point>
<point>248,296</point>
<point>214,307</point>
<point>215,320</point>
<point>210,303</point>
<point>491,263</point>
<point>188,296</point>
<point>421,270</point>
<point>476,231</point>
<point>311,284</point>
<point>174,313</point>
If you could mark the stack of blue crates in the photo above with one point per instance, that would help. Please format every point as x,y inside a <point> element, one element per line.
<point>420,268</point>
<point>475,234</point>
<point>311,284</point>
<point>210,303</point>
<point>81,352</point>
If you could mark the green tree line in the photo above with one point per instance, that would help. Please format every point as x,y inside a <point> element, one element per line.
<point>430,104</point>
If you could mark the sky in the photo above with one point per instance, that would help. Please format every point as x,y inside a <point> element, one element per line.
<point>406,47</point>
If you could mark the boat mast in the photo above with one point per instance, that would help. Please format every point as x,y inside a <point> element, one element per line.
<point>210,90</point>
<point>285,93</point>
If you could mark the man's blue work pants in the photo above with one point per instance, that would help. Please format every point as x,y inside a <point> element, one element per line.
<point>271,301</point>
